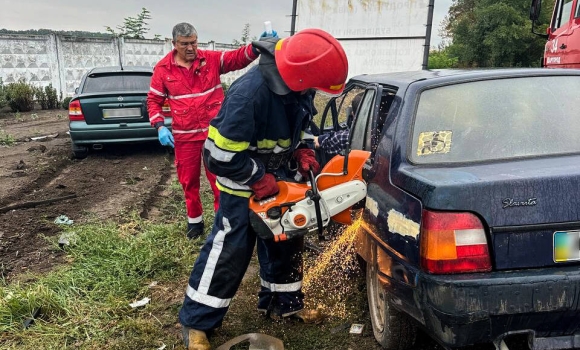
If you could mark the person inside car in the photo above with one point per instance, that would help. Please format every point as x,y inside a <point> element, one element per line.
<point>335,142</point>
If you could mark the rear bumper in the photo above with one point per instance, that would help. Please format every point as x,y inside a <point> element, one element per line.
<point>83,134</point>
<point>466,309</point>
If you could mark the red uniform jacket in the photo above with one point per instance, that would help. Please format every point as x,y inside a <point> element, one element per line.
<point>193,106</point>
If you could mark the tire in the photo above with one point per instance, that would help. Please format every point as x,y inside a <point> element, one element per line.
<point>79,152</point>
<point>392,329</point>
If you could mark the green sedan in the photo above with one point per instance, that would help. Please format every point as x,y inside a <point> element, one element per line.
<point>110,106</point>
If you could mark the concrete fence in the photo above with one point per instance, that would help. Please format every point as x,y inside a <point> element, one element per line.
<point>62,60</point>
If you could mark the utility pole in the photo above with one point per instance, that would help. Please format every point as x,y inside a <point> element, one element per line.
<point>427,45</point>
<point>293,21</point>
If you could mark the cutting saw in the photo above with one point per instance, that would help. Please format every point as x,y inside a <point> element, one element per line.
<point>303,207</point>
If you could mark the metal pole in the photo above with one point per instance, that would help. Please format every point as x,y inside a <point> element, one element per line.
<point>428,34</point>
<point>293,22</point>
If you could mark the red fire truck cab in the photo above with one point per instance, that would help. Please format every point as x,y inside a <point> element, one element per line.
<point>563,34</point>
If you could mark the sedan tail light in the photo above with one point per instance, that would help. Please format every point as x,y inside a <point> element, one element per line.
<point>453,242</point>
<point>75,112</point>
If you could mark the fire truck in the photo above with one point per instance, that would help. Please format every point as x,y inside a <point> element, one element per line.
<point>563,34</point>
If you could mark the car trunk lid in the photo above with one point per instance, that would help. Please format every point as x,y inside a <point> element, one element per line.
<point>114,108</point>
<point>530,206</point>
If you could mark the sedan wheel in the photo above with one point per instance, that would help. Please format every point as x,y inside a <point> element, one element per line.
<point>392,329</point>
<point>79,152</point>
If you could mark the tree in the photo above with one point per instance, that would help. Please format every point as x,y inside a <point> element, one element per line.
<point>133,27</point>
<point>493,33</point>
<point>245,39</point>
<point>439,59</point>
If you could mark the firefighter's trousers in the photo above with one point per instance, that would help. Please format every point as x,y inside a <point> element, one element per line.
<point>223,260</point>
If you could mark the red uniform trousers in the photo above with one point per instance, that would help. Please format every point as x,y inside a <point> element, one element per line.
<point>188,156</point>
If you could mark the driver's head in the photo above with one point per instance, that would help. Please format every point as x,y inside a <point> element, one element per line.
<point>312,59</point>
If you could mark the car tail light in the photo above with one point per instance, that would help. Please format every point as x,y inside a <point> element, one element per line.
<point>166,109</point>
<point>453,243</point>
<point>75,112</point>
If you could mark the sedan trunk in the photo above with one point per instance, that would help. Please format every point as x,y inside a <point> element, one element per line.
<point>529,206</point>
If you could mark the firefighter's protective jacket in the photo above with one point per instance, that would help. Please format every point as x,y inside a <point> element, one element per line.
<point>193,106</point>
<point>255,131</point>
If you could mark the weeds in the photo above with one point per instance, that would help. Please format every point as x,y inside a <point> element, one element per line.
<point>6,139</point>
<point>85,303</point>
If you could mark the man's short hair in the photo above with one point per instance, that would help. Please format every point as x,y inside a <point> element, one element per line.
<point>183,29</point>
<point>356,101</point>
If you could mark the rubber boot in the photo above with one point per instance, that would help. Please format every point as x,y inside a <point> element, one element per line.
<point>309,316</point>
<point>194,230</point>
<point>195,340</point>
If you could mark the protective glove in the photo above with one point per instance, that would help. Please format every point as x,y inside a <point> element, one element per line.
<point>265,187</point>
<point>305,158</point>
<point>266,35</point>
<point>165,136</point>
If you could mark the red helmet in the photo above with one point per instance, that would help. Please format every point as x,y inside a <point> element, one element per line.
<point>312,58</point>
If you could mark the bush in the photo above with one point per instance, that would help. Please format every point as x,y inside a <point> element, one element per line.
<point>20,96</point>
<point>3,101</point>
<point>65,102</point>
<point>47,97</point>
<point>40,96</point>
<point>51,97</point>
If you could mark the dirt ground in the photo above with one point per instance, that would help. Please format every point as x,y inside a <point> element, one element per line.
<point>38,167</point>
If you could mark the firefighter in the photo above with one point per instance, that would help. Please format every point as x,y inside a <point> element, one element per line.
<point>255,138</point>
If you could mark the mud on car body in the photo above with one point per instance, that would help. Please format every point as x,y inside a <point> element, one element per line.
<point>471,226</point>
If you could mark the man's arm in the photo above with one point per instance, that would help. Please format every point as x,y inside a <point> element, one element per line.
<point>334,143</point>
<point>155,99</point>
<point>237,59</point>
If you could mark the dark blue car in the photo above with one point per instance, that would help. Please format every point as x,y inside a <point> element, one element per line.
<point>472,222</point>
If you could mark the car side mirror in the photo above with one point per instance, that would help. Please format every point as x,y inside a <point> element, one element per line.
<point>76,90</point>
<point>535,9</point>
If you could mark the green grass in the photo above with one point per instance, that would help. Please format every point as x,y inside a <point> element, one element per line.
<point>85,302</point>
<point>6,139</point>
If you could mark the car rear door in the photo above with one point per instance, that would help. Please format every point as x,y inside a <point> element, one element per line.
<point>113,98</point>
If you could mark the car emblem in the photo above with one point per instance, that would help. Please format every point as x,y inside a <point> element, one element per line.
<point>510,203</point>
<point>120,98</point>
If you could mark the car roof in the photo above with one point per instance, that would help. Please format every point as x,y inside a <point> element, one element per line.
<point>117,69</point>
<point>447,75</point>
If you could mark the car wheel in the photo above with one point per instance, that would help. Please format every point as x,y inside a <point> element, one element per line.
<point>79,152</point>
<point>392,329</point>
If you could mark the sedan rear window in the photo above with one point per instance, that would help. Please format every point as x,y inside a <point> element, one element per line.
<point>497,119</point>
<point>117,82</point>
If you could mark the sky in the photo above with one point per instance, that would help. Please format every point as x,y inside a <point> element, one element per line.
<point>218,20</point>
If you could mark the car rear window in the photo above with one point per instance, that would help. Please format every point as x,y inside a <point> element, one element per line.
<point>497,119</point>
<point>117,82</point>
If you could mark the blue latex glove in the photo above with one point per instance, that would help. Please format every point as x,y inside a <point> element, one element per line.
<point>165,136</point>
<point>273,35</point>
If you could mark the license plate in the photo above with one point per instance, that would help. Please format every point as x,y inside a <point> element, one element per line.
<point>122,113</point>
<point>566,246</point>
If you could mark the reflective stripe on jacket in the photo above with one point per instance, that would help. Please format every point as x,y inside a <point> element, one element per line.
<point>193,107</point>
<point>253,123</point>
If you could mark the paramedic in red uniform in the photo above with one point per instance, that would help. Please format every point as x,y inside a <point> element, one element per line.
<point>190,81</point>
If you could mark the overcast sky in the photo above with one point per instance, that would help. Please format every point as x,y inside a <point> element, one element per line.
<point>217,20</point>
